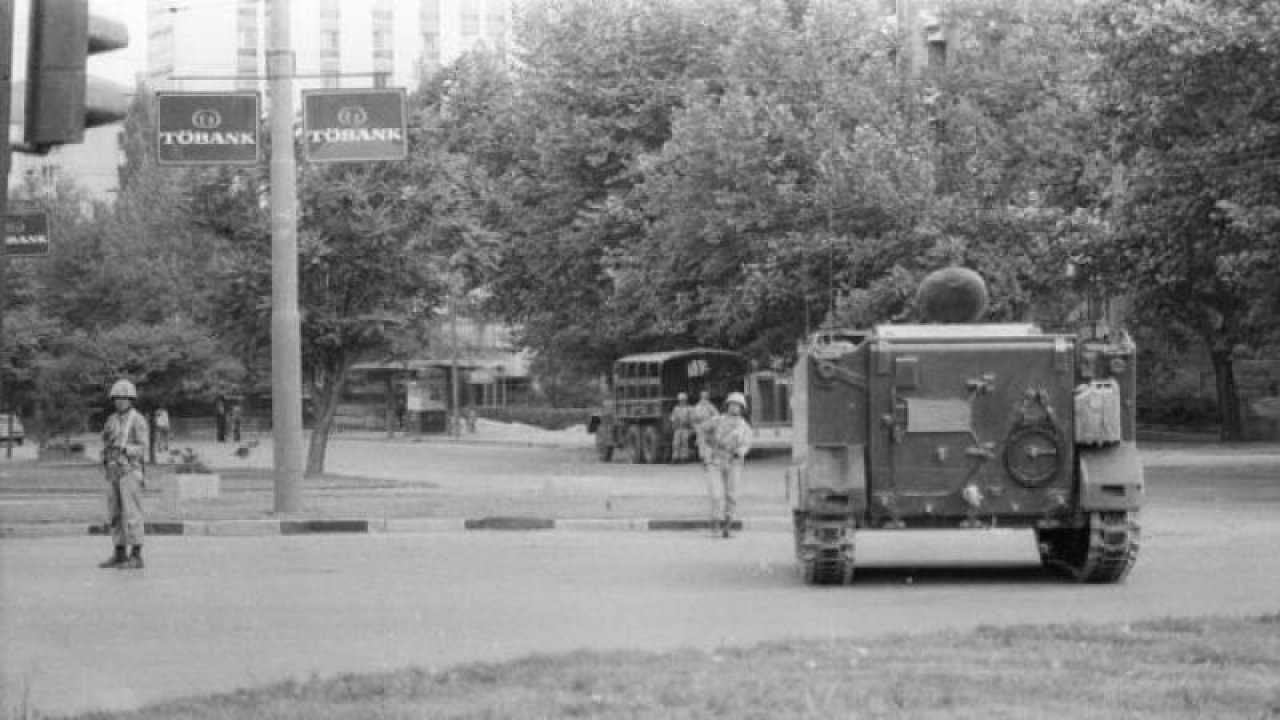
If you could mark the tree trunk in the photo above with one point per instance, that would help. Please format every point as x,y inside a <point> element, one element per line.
<point>327,407</point>
<point>1228,397</point>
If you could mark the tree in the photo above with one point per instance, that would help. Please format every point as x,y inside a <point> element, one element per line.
<point>363,267</point>
<point>779,170</point>
<point>596,87</point>
<point>1187,90</point>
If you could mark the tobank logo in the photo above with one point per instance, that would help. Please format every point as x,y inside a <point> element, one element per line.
<point>354,125</point>
<point>206,119</point>
<point>353,116</point>
<point>206,122</point>
<point>351,120</point>
<point>208,128</point>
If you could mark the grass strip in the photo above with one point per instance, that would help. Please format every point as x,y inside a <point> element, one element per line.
<point>1173,668</point>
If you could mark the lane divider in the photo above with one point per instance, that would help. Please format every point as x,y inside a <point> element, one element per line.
<point>378,526</point>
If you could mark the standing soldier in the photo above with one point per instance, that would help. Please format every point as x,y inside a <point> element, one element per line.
<point>124,445</point>
<point>681,428</point>
<point>730,442</point>
<point>704,416</point>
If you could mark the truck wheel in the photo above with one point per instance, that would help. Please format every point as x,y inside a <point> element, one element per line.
<point>652,445</point>
<point>635,444</point>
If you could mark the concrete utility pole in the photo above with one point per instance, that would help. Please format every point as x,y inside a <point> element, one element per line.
<point>286,335</point>
<point>6,86</point>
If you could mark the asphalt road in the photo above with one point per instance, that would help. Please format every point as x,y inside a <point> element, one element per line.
<point>215,614</point>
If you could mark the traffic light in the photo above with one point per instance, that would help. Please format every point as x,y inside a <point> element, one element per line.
<point>61,99</point>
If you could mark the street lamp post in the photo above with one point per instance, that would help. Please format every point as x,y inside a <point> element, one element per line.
<point>286,335</point>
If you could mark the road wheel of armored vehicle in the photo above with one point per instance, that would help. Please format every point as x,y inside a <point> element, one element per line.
<point>1103,551</point>
<point>635,444</point>
<point>825,551</point>
<point>604,443</point>
<point>652,445</point>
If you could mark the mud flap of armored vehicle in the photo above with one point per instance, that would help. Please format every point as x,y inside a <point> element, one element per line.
<point>1101,544</point>
<point>827,481</point>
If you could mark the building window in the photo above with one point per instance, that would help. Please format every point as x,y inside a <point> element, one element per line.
<point>430,16</point>
<point>470,17</point>
<point>329,43</point>
<point>937,54</point>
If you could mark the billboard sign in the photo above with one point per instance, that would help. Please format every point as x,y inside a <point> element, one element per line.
<point>26,234</point>
<point>208,128</point>
<point>354,125</point>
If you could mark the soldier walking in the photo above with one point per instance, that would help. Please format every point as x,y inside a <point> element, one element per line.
<point>730,441</point>
<point>124,445</point>
<point>704,415</point>
<point>681,428</point>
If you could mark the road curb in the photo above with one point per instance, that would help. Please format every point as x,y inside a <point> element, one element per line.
<point>389,526</point>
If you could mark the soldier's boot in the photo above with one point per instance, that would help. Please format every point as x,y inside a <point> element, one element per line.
<point>115,560</point>
<point>134,561</point>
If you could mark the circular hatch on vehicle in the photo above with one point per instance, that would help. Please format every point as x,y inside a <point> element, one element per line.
<point>1033,455</point>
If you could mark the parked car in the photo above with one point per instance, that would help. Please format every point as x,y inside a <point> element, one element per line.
<point>19,434</point>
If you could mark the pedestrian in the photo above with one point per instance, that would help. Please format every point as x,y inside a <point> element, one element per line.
<point>124,445</point>
<point>220,417</point>
<point>162,430</point>
<point>730,441</point>
<point>681,429</point>
<point>236,417</point>
<point>704,415</point>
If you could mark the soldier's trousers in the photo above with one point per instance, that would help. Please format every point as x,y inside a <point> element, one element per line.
<point>680,444</point>
<point>124,506</point>
<point>722,487</point>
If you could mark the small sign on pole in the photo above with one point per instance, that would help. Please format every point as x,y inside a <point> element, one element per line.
<point>208,128</point>
<point>26,234</point>
<point>354,125</point>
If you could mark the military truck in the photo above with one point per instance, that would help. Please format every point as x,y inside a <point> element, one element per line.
<point>953,423</point>
<point>636,416</point>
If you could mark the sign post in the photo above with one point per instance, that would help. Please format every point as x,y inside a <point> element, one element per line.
<point>354,125</point>
<point>208,128</point>
<point>286,327</point>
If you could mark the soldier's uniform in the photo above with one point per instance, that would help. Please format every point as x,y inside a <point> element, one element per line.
<point>704,416</point>
<point>124,443</point>
<point>730,442</point>
<point>681,428</point>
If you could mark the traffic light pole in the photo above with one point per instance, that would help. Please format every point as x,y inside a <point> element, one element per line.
<point>286,335</point>
<point>6,88</point>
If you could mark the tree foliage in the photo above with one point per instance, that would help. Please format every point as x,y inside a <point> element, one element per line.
<point>776,170</point>
<point>1188,92</point>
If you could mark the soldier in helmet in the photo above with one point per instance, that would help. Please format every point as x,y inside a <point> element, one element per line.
<point>124,441</point>
<point>704,417</point>
<point>729,441</point>
<point>681,428</point>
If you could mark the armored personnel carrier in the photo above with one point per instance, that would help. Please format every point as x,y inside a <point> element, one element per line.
<point>953,423</point>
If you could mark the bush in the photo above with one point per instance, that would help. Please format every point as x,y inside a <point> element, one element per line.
<point>1180,411</point>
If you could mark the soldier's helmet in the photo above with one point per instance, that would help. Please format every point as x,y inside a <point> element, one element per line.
<point>952,295</point>
<point>682,396</point>
<point>124,389</point>
<point>736,397</point>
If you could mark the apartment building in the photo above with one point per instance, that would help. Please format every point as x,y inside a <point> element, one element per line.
<point>221,45</point>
